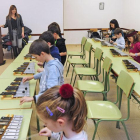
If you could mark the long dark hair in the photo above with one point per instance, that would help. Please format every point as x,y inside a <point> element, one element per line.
<point>115,22</point>
<point>12,7</point>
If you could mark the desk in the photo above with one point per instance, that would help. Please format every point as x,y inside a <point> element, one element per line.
<point>8,73</point>
<point>26,120</point>
<point>117,64</point>
<point>25,51</point>
<point>14,103</point>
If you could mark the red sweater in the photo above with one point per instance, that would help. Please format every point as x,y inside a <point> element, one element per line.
<point>135,48</point>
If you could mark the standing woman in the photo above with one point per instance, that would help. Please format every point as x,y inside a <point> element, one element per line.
<point>16,29</point>
<point>134,39</point>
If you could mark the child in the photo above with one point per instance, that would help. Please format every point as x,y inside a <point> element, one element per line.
<point>120,42</point>
<point>48,37</point>
<point>60,43</point>
<point>63,109</point>
<point>57,25</point>
<point>53,69</point>
<point>113,25</point>
<point>134,39</point>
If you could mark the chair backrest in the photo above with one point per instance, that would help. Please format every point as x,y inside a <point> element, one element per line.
<point>125,82</point>
<point>83,42</point>
<point>97,60</point>
<point>98,53</point>
<point>87,46</point>
<point>107,64</point>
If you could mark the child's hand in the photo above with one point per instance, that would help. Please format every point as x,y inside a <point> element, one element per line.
<point>113,37</point>
<point>27,79</point>
<point>114,43</point>
<point>107,36</point>
<point>45,132</point>
<point>40,69</point>
<point>40,64</point>
<point>132,54</point>
<point>26,99</point>
<point>111,41</point>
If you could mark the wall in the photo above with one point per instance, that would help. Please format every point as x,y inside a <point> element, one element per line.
<point>86,14</point>
<point>36,14</point>
<point>131,12</point>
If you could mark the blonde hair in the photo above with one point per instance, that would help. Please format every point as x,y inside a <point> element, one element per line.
<point>75,107</point>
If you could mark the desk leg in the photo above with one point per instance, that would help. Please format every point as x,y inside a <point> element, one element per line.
<point>29,133</point>
<point>38,126</point>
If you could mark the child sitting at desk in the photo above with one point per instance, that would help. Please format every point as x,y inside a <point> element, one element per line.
<point>52,74</point>
<point>120,42</point>
<point>63,110</point>
<point>134,39</point>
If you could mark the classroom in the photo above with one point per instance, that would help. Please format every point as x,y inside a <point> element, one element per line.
<point>70,70</point>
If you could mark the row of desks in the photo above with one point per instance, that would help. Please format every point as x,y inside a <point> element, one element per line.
<point>12,106</point>
<point>117,63</point>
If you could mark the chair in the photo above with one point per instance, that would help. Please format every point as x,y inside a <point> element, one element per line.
<point>74,53</point>
<point>78,61</point>
<point>100,111</point>
<point>95,71</point>
<point>97,86</point>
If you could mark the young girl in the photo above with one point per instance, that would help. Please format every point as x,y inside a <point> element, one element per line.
<point>134,39</point>
<point>113,25</point>
<point>63,110</point>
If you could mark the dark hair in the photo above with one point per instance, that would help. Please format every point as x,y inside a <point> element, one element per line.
<point>54,29</point>
<point>117,31</point>
<point>136,37</point>
<point>48,37</point>
<point>39,46</point>
<point>55,24</point>
<point>115,22</point>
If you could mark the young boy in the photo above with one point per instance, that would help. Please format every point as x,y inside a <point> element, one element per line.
<point>60,43</point>
<point>48,37</point>
<point>53,69</point>
<point>120,42</point>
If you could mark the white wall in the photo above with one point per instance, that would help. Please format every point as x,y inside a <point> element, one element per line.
<point>86,14</point>
<point>131,14</point>
<point>36,14</point>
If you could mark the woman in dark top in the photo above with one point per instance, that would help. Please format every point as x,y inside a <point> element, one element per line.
<point>16,29</point>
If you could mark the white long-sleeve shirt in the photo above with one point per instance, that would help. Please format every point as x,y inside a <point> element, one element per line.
<point>59,136</point>
<point>120,43</point>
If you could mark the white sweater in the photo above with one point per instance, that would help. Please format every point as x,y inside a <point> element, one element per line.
<point>59,136</point>
<point>120,43</point>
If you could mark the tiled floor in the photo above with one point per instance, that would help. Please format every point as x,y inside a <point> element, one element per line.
<point>106,130</point>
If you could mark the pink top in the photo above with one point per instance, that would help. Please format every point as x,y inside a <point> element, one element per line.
<point>135,48</point>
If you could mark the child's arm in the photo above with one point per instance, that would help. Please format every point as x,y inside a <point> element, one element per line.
<point>27,79</point>
<point>120,45</point>
<point>63,53</point>
<point>48,133</point>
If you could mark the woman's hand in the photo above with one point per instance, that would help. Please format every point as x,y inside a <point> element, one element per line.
<point>23,35</point>
<point>45,132</point>
<point>26,99</point>
<point>2,26</point>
